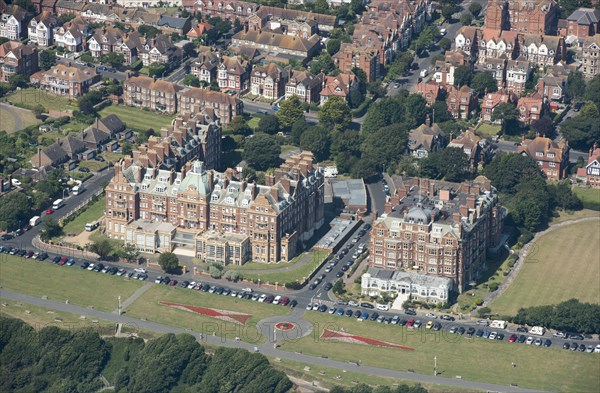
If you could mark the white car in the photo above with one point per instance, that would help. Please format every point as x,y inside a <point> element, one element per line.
<point>91,266</point>
<point>191,285</point>
<point>277,299</point>
<point>158,280</point>
<point>597,349</point>
<point>233,293</point>
<point>383,307</point>
<point>139,270</point>
<point>538,341</point>
<point>15,182</point>
<point>309,307</point>
<point>431,315</point>
<point>331,310</point>
<point>529,340</point>
<point>120,272</point>
<point>443,31</point>
<point>493,335</point>
<point>315,306</point>
<point>262,298</point>
<point>353,303</point>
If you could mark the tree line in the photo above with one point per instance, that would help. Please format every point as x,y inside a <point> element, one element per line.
<point>569,316</point>
<point>55,360</point>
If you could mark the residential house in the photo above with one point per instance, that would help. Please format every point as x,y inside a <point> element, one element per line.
<point>72,35</point>
<point>517,74</point>
<point>436,229</point>
<point>170,24</point>
<point>51,156</point>
<point>94,138</point>
<point>13,22</point>
<point>227,10</point>
<point>295,22</point>
<point>112,40</point>
<point>340,86</point>
<point>289,46</point>
<point>444,70</point>
<point>425,139</point>
<point>530,108</point>
<point>64,79</point>
<point>160,50</point>
<point>204,67</point>
<point>305,85</point>
<point>467,40</point>
<point>233,74</point>
<point>269,81</point>
<point>552,157</point>
<point>542,50</point>
<point>497,67</point>
<point>199,30</point>
<point>17,59</point>
<point>286,210</point>
<point>590,174</point>
<point>383,41</point>
<point>496,43</point>
<point>430,90</point>
<point>351,56</point>
<point>590,57</point>
<point>477,150</point>
<point>40,29</point>
<point>523,16</point>
<point>462,102</point>
<point>146,92</point>
<point>491,101</point>
<point>583,23</point>
<point>553,87</point>
<point>72,145</point>
<point>224,107</point>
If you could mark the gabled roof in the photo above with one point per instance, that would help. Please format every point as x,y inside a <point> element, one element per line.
<point>94,135</point>
<point>72,145</point>
<point>543,145</point>
<point>55,153</point>
<point>585,16</point>
<point>112,123</point>
<point>173,22</point>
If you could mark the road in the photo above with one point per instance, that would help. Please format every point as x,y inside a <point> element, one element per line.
<point>267,348</point>
<point>178,75</point>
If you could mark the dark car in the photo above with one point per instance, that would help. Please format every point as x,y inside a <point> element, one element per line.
<point>22,253</point>
<point>84,265</point>
<point>349,313</point>
<point>574,346</point>
<point>436,326</point>
<point>367,226</point>
<point>367,305</point>
<point>219,291</point>
<point>29,254</point>
<point>19,232</point>
<point>500,336</point>
<point>113,270</point>
<point>270,298</point>
<point>410,312</point>
<point>293,303</point>
<point>70,262</point>
<point>184,284</point>
<point>566,346</point>
<point>357,314</point>
<point>84,169</point>
<point>339,274</point>
<point>447,318</point>
<point>322,308</point>
<point>6,237</point>
<point>479,333</point>
<point>63,260</point>
<point>402,322</point>
<point>374,316</point>
<point>43,256</point>
<point>470,331</point>
<point>575,336</point>
<point>522,329</point>
<point>312,286</point>
<point>521,339</point>
<point>461,330</point>
<point>547,343</point>
<point>345,268</point>
<point>56,259</point>
<point>172,283</point>
<point>328,286</point>
<point>99,159</point>
<point>205,288</point>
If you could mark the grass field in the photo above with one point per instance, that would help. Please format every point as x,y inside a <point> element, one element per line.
<point>478,359</point>
<point>562,265</point>
<point>264,266</point>
<point>80,287</point>
<point>575,215</point>
<point>90,214</point>
<point>488,130</point>
<point>253,122</point>
<point>147,307</point>
<point>93,165</point>
<point>31,97</point>
<point>294,273</point>
<point>588,195</point>
<point>13,119</point>
<point>138,119</point>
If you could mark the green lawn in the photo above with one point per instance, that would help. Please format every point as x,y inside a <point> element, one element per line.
<point>14,119</point>
<point>477,359</point>
<point>563,264</point>
<point>61,283</point>
<point>264,266</point>
<point>294,273</point>
<point>574,215</point>
<point>93,165</point>
<point>589,196</point>
<point>148,307</point>
<point>488,130</point>
<point>111,156</point>
<point>138,119</point>
<point>286,148</point>
<point>90,214</point>
<point>31,97</point>
<point>74,126</point>
<point>253,122</point>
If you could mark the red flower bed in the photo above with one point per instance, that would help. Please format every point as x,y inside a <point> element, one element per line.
<point>229,316</point>
<point>350,338</point>
<point>285,326</point>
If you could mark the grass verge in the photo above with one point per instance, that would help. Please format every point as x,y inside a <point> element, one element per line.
<point>13,119</point>
<point>589,196</point>
<point>31,97</point>
<point>293,273</point>
<point>553,273</point>
<point>61,283</point>
<point>476,359</point>
<point>90,214</point>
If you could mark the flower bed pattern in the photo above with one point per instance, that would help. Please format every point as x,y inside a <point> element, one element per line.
<point>285,326</point>
<point>350,338</point>
<point>224,315</point>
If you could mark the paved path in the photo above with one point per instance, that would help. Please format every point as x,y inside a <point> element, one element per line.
<point>523,254</point>
<point>135,296</point>
<point>267,349</point>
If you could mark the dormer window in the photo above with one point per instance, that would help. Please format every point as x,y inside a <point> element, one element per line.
<point>539,154</point>
<point>551,155</point>
<point>214,197</point>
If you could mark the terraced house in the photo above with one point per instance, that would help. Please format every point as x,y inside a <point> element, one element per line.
<point>273,217</point>
<point>436,228</point>
<point>146,92</point>
<point>40,29</point>
<point>279,44</point>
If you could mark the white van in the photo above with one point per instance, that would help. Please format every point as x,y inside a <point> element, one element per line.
<point>78,189</point>
<point>537,330</point>
<point>499,324</point>
<point>424,73</point>
<point>58,204</point>
<point>139,270</point>
<point>34,221</point>
<point>383,307</point>
<point>90,226</point>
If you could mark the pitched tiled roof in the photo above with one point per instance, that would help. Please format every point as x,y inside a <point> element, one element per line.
<point>545,145</point>
<point>264,38</point>
<point>55,152</point>
<point>113,123</point>
<point>72,145</point>
<point>585,16</point>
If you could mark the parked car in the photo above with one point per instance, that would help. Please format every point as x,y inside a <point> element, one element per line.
<point>522,338</point>
<point>566,346</point>
<point>328,286</point>
<point>410,312</point>
<point>70,262</point>
<point>349,312</point>
<point>84,169</point>
<point>547,343</point>
<point>529,340</point>
<point>85,265</point>
<point>461,330</point>
<point>479,333</point>
<point>470,331</point>
<point>431,315</point>
<point>56,259</point>
<point>418,323</point>
<point>293,303</point>
<point>447,318</point>
<point>513,338</point>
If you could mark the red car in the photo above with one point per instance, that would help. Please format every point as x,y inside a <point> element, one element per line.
<point>410,322</point>
<point>172,283</point>
<point>513,338</point>
<point>284,301</point>
<point>49,211</point>
<point>63,260</point>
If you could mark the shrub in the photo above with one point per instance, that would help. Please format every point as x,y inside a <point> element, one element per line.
<point>483,311</point>
<point>493,286</point>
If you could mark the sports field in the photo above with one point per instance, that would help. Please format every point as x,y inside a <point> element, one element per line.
<point>561,265</point>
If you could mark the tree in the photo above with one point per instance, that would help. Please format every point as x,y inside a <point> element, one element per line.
<point>592,91</point>
<point>129,252</point>
<point>439,112</point>
<point>269,124</point>
<point>14,211</point>
<point>450,164</point>
<point>448,11</point>
<point>400,66</point>
<point>157,69</point>
<point>544,126</point>
<point>64,18</point>
<point>38,110</point>
<point>582,131</point>
<point>88,101</point>
<point>484,82</point>
<point>355,98</point>
<point>113,59</point>
<point>508,116</point>
<point>475,9</point>
<point>316,139</point>
<point>168,262</point>
<point>46,59</point>
<point>445,43</point>
<point>50,229</point>
<point>102,247</point>
<point>290,111</point>
<point>262,151</point>
<point>239,126</point>
<point>322,63</point>
<point>191,80</point>
<point>126,148</point>
<point>575,86</point>
<point>333,46</point>
<point>462,76</point>
<point>148,31</point>
<point>26,5</point>
<point>377,156</point>
<point>466,19</point>
<point>298,129</point>
<point>562,196</point>
<point>506,171</point>
<point>335,114</point>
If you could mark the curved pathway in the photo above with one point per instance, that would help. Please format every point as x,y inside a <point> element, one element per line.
<point>267,349</point>
<point>523,254</point>
<point>305,259</point>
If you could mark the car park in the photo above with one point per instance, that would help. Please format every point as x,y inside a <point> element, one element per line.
<point>293,303</point>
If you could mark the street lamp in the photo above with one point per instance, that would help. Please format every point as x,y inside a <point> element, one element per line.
<point>119,305</point>
<point>435,366</point>
<point>64,189</point>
